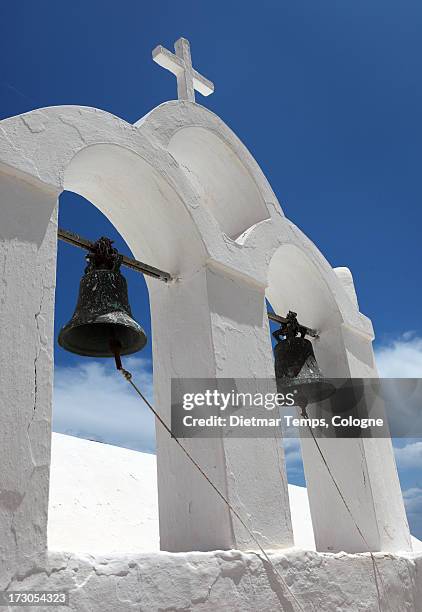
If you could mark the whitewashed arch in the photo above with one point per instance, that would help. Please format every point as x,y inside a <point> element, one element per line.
<point>359,519</point>
<point>171,211</point>
<point>139,202</point>
<point>223,183</point>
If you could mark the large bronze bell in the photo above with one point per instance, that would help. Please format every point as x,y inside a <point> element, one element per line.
<point>295,364</point>
<point>102,322</point>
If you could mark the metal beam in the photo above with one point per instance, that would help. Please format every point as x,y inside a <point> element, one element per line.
<point>133,264</point>
<point>279,319</point>
<point>143,268</point>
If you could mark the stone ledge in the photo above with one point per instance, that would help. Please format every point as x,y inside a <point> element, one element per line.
<point>229,580</point>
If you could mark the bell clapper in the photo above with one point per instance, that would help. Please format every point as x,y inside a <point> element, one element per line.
<point>115,347</point>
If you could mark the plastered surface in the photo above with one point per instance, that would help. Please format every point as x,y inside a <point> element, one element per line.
<point>229,580</point>
<point>228,245</point>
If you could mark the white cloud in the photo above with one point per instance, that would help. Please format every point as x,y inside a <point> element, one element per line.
<point>401,358</point>
<point>292,451</point>
<point>413,499</point>
<point>413,502</point>
<point>92,400</point>
<point>409,456</point>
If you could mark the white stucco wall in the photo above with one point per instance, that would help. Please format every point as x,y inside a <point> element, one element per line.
<point>228,580</point>
<point>27,280</point>
<point>103,500</point>
<point>167,205</point>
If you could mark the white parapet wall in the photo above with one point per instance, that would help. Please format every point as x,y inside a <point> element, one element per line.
<point>104,498</point>
<point>229,581</point>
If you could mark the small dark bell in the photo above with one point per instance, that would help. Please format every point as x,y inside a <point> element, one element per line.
<point>295,358</point>
<point>295,364</point>
<point>102,319</point>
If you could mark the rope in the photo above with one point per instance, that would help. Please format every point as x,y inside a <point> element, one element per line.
<point>128,376</point>
<point>376,570</point>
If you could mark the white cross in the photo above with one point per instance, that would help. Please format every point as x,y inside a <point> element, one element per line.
<point>180,64</point>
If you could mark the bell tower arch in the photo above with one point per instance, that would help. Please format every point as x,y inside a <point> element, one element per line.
<point>370,513</point>
<point>219,230</point>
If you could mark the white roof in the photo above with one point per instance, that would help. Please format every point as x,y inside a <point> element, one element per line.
<point>103,499</point>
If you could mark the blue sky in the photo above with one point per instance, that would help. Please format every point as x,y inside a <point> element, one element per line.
<point>327,96</point>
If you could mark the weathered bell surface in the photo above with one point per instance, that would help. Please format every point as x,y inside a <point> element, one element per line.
<point>296,359</point>
<point>102,319</point>
<point>295,363</point>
